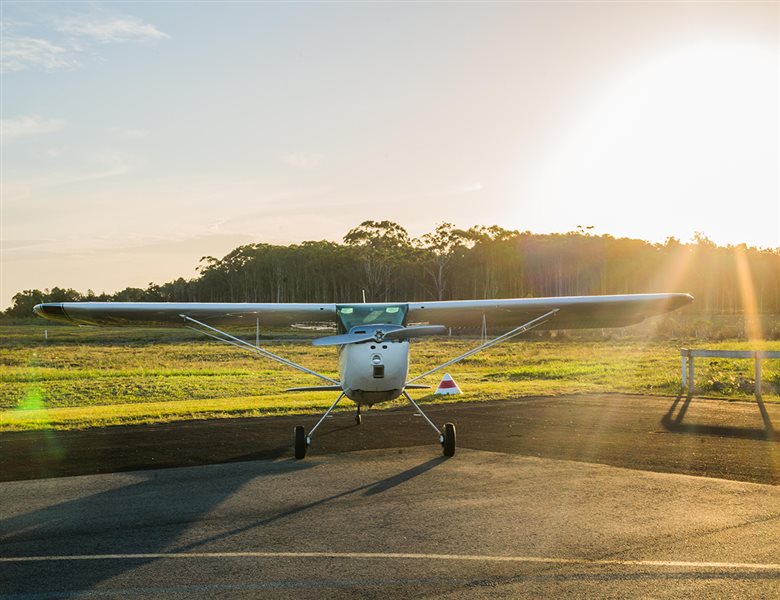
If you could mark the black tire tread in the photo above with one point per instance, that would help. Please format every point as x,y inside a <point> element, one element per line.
<point>300,442</point>
<point>448,447</point>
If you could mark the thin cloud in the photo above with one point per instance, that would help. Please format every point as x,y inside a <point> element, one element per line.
<point>9,245</point>
<point>283,202</point>
<point>189,244</point>
<point>111,30</point>
<point>302,160</point>
<point>131,134</point>
<point>17,192</point>
<point>468,188</point>
<point>111,171</point>
<point>18,53</point>
<point>11,129</point>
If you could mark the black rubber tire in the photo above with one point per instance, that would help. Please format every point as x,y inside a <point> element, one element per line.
<point>358,419</point>
<point>448,447</point>
<point>300,442</point>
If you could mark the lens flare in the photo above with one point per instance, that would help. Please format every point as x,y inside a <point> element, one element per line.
<point>747,292</point>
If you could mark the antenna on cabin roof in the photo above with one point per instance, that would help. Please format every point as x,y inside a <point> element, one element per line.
<point>364,296</point>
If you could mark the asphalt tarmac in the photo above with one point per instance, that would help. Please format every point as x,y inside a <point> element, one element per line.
<point>578,496</point>
<point>712,438</point>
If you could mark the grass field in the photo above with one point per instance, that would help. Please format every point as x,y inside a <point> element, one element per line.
<point>83,377</point>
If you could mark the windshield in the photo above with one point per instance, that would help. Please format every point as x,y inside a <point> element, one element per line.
<point>367,314</point>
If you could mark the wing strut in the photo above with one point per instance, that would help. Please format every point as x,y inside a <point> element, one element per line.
<point>226,338</point>
<point>490,343</point>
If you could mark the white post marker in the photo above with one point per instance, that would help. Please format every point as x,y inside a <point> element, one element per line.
<point>447,386</point>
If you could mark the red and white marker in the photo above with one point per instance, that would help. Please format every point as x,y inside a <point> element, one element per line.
<point>447,386</point>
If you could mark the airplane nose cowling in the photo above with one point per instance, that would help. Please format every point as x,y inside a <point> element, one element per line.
<point>52,312</point>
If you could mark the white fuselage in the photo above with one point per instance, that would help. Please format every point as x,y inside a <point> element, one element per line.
<point>374,372</point>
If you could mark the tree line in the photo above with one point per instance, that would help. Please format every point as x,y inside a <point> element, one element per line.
<point>382,260</point>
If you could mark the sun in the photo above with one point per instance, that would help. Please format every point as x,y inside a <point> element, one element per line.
<point>685,142</point>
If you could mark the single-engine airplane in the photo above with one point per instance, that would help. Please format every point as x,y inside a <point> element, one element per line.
<point>373,339</point>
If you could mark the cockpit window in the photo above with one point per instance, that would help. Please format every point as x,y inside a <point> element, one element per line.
<point>368,314</point>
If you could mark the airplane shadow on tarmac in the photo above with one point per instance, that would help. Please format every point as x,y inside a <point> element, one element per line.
<point>674,423</point>
<point>120,521</point>
<point>368,489</point>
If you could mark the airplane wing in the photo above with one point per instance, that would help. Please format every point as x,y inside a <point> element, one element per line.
<point>574,312</point>
<point>166,314</point>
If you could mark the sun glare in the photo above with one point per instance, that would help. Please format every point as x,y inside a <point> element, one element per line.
<point>747,291</point>
<point>683,143</point>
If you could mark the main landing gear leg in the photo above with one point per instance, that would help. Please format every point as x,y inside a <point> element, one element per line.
<point>358,418</point>
<point>446,434</point>
<point>303,441</point>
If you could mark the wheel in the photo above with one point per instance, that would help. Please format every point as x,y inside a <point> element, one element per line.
<point>300,442</point>
<point>448,446</point>
<point>358,419</point>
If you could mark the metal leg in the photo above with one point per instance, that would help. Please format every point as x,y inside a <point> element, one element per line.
<point>690,375</point>
<point>327,412</point>
<point>424,416</point>
<point>358,418</point>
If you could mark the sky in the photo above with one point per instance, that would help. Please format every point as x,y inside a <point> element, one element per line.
<point>139,137</point>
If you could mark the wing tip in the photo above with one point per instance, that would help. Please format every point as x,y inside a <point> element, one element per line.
<point>53,311</point>
<point>683,300</point>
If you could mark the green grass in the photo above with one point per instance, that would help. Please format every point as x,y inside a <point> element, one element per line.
<point>94,377</point>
